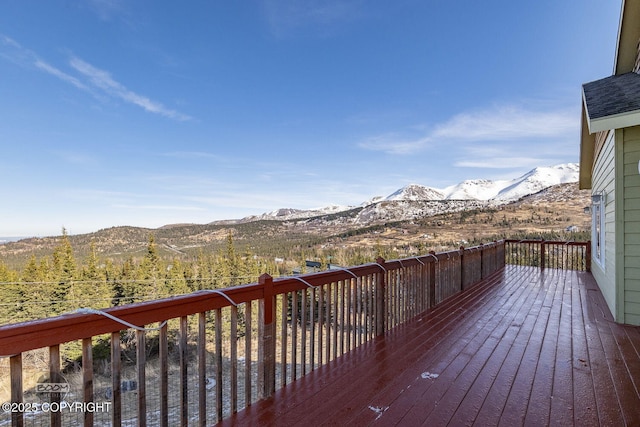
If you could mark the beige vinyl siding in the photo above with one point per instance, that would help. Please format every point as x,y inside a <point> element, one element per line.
<point>604,181</point>
<point>631,150</point>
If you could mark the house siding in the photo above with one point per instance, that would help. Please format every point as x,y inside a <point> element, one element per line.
<point>631,215</point>
<point>604,181</point>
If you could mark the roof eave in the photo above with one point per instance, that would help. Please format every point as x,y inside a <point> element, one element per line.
<point>616,121</point>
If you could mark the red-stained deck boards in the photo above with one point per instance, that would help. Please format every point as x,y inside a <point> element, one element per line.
<point>524,347</point>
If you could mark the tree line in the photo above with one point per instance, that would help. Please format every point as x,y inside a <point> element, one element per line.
<point>60,283</point>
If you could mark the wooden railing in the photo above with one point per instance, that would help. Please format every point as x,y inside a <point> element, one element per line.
<point>197,358</point>
<point>549,254</point>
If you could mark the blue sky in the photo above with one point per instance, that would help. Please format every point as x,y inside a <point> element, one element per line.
<point>146,113</point>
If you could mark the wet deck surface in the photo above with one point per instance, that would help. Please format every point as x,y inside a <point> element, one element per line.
<point>524,347</point>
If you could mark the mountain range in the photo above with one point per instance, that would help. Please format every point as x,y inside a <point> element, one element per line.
<point>467,194</point>
<point>546,199</point>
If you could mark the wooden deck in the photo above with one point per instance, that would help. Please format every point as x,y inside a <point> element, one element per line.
<point>524,347</point>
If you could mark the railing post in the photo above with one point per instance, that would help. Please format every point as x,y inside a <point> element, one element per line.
<point>55,377</point>
<point>432,280</point>
<point>587,264</point>
<point>542,254</point>
<point>482,275</point>
<point>15,367</point>
<point>267,357</point>
<point>381,311</point>
<point>463,267</point>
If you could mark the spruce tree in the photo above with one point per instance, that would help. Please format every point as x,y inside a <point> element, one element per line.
<point>64,265</point>
<point>11,296</point>
<point>149,270</point>
<point>94,290</point>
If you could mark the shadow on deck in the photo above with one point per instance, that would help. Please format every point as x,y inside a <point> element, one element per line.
<point>524,346</point>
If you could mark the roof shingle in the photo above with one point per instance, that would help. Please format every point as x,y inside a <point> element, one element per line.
<point>612,96</point>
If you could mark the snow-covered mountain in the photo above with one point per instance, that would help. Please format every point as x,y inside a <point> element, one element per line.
<point>290,213</point>
<point>539,179</point>
<point>416,192</point>
<point>509,190</point>
<point>474,189</point>
<point>416,199</point>
<point>501,190</point>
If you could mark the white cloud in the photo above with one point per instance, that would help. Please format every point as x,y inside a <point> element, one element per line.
<point>502,162</point>
<point>9,41</point>
<point>106,9</point>
<point>103,80</point>
<point>12,51</point>
<point>394,144</point>
<point>496,124</point>
<point>159,207</point>
<point>507,123</point>
<point>285,16</point>
<point>60,74</point>
<point>196,155</point>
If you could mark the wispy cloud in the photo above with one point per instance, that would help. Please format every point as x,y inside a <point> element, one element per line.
<point>106,9</point>
<point>195,155</point>
<point>501,162</point>
<point>91,78</point>
<point>76,158</point>
<point>102,80</point>
<point>494,124</point>
<point>286,16</point>
<point>160,207</point>
<point>506,123</point>
<point>60,74</point>
<point>393,143</point>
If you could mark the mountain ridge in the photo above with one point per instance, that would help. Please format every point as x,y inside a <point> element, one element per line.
<point>383,222</point>
<point>492,192</point>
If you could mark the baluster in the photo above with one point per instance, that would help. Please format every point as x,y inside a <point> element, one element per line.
<point>234,359</point>
<point>87,378</point>
<point>303,337</point>
<point>116,397</point>
<point>164,376</point>
<point>343,307</point>
<point>321,312</point>
<point>335,310</point>
<point>283,343</point>
<point>312,332</point>
<point>142,383</point>
<point>218,359</point>
<point>248,356</point>
<point>202,368</point>
<point>327,322</point>
<point>294,336</point>
<point>184,383</point>
<point>349,313</point>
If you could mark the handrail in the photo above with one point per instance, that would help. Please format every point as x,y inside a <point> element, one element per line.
<point>19,337</point>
